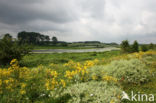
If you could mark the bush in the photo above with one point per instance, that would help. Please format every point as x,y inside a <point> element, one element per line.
<point>93,92</point>
<point>144,48</point>
<point>10,49</point>
<point>125,47</point>
<point>128,71</point>
<point>151,46</point>
<point>135,47</point>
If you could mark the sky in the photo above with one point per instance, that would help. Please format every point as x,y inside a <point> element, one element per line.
<point>81,20</point>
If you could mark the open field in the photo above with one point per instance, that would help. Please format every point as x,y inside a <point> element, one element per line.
<point>52,78</point>
<point>33,60</point>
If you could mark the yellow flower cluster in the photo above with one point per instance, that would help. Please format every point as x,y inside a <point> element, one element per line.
<point>78,68</point>
<point>94,77</point>
<point>51,84</point>
<point>109,78</point>
<point>70,74</point>
<point>63,83</point>
<point>9,77</point>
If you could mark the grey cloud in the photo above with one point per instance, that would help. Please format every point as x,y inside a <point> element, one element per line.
<point>76,20</point>
<point>21,11</point>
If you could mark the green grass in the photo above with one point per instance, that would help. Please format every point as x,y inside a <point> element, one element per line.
<point>33,60</point>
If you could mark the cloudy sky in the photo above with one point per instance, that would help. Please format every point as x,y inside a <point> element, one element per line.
<point>79,20</point>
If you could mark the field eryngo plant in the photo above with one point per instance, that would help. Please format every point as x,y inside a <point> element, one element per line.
<point>131,71</point>
<point>94,92</point>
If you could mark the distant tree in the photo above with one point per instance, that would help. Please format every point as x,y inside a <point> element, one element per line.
<point>125,47</point>
<point>151,46</point>
<point>135,47</point>
<point>54,40</point>
<point>7,36</point>
<point>64,44</point>
<point>32,38</point>
<point>144,48</point>
<point>47,38</point>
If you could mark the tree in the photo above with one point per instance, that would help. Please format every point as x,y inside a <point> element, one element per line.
<point>54,39</point>
<point>32,38</point>
<point>7,36</point>
<point>11,50</point>
<point>135,46</point>
<point>125,47</point>
<point>144,48</point>
<point>151,46</point>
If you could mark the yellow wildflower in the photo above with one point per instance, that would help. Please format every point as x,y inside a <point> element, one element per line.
<point>63,83</point>
<point>94,77</point>
<point>22,92</point>
<point>23,85</point>
<point>54,74</point>
<point>112,101</point>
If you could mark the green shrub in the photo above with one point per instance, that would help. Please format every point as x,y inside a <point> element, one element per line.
<point>11,50</point>
<point>135,47</point>
<point>125,47</point>
<point>93,92</point>
<point>151,46</point>
<point>144,48</point>
<point>130,71</point>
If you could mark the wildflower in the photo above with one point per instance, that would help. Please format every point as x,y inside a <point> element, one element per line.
<point>54,74</point>
<point>6,81</point>
<point>0,82</point>
<point>47,85</point>
<point>109,78</point>
<point>112,101</point>
<point>23,85</point>
<point>22,92</point>
<point>13,61</point>
<point>91,95</point>
<point>69,74</point>
<point>94,77</point>
<point>63,83</point>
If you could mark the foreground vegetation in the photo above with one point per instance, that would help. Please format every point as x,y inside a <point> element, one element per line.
<point>99,80</point>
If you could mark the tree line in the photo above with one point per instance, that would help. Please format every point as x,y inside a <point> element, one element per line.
<point>16,48</point>
<point>35,38</point>
<point>135,47</point>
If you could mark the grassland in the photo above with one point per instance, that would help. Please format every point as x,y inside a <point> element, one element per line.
<point>33,60</point>
<point>62,71</point>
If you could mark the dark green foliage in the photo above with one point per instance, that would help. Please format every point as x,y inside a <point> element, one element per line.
<point>32,38</point>
<point>135,47</point>
<point>11,50</point>
<point>7,36</point>
<point>64,44</point>
<point>144,48</point>
<point>54,39</point>
<point>151,46</point>
<point>125,47</point>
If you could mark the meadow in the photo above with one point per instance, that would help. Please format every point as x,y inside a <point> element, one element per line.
<point>78,77</point>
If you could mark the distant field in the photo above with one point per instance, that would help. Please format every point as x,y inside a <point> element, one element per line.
<point>33,60</point>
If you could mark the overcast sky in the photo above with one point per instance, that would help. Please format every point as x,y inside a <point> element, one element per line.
<point>79,20</point>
